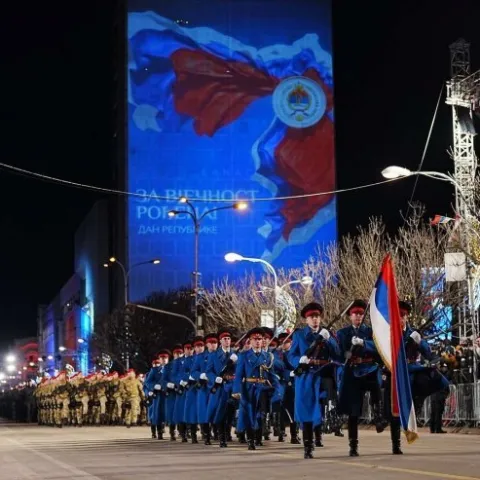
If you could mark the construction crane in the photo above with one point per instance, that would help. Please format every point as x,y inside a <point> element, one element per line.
<point>463,94</point>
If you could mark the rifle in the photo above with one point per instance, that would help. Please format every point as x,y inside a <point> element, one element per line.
<point>227,366</point>
<point>348,355</point>
<point>302,368</point>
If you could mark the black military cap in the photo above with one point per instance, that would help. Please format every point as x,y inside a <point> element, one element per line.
<point>256,331</point>
<point>211,337</point>
<point>267,332</point>
<point>164,353</point>
<point>310,308</point>
<point>224,332</point>
<point>198,340</point>
<point>405,306</point>
<point>357,304</point>
<point>177,348</point>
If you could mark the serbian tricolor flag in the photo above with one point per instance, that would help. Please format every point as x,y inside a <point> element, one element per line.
<point>388,337</point>
<point>440,219</point>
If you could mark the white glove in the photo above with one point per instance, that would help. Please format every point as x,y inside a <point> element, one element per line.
<point>292,373</point>
<point>157,387</point>
<point>150,394</point>
<point>183,383</point>
<point>219,380</point>
<point>233,357</point>
<point>170,385</point>
<point>324,333</point>
<point>304,359</point>
<point>357,341</point>
<point>203,376</point>
<point>191,378</point>
<point>416,337</point>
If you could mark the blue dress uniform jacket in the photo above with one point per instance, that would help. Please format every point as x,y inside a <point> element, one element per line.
<point>217,402</point>
<point>252,378</point>
<point>190,415</point>
<point>201,386</point>
<point>432,380</point>
<point>170,394</point>
<point>364,361</point>
<point>177,375</point>
<point>308,385</point>
<point>156,410</point>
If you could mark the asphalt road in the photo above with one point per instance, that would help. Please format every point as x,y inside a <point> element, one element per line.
<point>117,453</point>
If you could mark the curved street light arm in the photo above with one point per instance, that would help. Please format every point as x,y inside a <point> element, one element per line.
<point>166,312</point>
<point>227,207</point>
<point>193,215</point>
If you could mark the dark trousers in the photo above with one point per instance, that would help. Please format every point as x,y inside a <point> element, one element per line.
<point>438,401</point>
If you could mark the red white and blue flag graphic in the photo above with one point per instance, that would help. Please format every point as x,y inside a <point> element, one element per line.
<point>388,337</point>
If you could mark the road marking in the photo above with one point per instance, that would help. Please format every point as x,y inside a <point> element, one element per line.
<point>76,472</point>
<point>425,473</point>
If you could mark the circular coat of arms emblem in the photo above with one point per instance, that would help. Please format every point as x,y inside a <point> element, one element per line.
<point>299,102</point>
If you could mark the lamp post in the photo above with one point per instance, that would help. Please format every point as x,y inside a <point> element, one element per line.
<point>191,211</point>
<point>235,257</point>
<point>126,277</point>
<point>466,210</point>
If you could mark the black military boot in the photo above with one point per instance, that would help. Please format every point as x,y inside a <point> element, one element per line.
<point>160,431</point>
<point>307,440</point>
<point>207,437</point>
<point>182,429</point>
<point>378,418</point>
<point>171,429</point>
<point>222,435</point>
<point>215,432</point>
<point>193,432</point>
<point>294,434</point>
<point>258,438</point>
<point>353,436</point>
<point>318,436</point>
<point>251,439</point>
<point>153,429</point>
<point>242,438</point>
<point>395,436</point>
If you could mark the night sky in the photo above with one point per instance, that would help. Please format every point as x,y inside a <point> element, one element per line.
<point>391,60</point>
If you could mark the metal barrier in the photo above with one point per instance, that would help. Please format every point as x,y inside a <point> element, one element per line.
<point>462,407</point>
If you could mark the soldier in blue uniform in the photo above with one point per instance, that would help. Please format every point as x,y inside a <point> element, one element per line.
<point>220,373</point>
<point>424,380</point>
<point>287,413</point>
<point>149,394</point>
<point>199,373</point>
<point>312,353</point>
<point>253,378</point>
<point>186,381</point>
<point>362,373</point>
<point>178,378</point>
<point>168,385</point>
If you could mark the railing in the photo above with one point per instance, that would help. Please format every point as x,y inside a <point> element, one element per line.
<point>462,407</point>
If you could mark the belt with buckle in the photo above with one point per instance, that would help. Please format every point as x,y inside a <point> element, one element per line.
<point>358,360</point>
<point>318,362</point>
<point>255,380</point>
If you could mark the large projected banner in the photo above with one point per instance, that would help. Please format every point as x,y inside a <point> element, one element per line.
<point>228,99</point>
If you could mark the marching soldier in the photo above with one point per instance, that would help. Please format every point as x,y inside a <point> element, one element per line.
<point>287,414</point>
<point>168,383</point>
<point>152,387</point>
<point>220,373</point>
<point>190,376</point>
<point>199,373</point>
<point>361,373</point>
<point>180,383</point>
<point>253,379</point>
<point>312,352</point>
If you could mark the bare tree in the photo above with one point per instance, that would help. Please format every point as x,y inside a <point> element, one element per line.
<point>148,331</point>
<point>349,270</point>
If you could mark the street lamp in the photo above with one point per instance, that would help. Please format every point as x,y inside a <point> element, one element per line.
<point>197,220</point>
<point>11,368</point>
<point>394,172</point>
<point>126,273</point>
<point>126,277</point>
<point>10,358</point>
<point>235,257</point>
